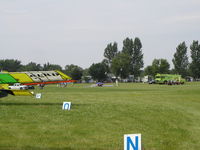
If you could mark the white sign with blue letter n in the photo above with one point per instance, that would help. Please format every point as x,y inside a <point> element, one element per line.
<point>132,142</point>
<point>66,105</point>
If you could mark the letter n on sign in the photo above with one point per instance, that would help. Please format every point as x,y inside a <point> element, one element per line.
<point>132,142</point>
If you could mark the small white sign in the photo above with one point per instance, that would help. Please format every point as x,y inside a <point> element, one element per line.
<point>38,95</point>
<point>66,106</point>
<point>132,142</point>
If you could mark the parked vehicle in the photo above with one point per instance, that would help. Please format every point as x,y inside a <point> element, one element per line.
<point>18,86</point>
<point>169,79</point>
<point>152,82</point>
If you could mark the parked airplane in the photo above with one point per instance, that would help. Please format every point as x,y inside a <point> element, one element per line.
<point>17,83</point>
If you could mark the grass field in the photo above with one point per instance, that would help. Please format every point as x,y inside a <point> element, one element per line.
<point>168,117</point>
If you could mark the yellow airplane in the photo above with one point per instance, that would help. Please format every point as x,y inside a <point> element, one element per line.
<point>17,83</point>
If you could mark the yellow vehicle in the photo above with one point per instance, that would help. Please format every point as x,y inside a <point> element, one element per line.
<point>169,79</point>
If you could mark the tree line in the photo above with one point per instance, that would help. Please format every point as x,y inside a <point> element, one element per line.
<point>121,63</point>
<point>180,61</point>
<point>13,65</point>
<point>129,61</point>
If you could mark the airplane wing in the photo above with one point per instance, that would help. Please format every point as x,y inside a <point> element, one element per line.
<point>21,79</point>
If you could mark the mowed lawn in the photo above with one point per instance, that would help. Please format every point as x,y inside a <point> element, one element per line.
<point>168,117</point>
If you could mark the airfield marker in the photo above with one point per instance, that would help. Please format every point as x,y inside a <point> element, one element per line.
<point>132,142</point>
<point>66,106</point>
<point>38,96</point>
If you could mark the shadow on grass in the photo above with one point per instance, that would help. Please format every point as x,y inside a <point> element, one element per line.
<point>3,94</point>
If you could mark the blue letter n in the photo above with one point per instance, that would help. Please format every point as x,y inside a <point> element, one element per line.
<point>130,142</point>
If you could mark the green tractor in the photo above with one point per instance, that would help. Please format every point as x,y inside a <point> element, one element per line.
<point>169,79</point>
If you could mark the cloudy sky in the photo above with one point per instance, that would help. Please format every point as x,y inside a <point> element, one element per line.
<point>77,31</point>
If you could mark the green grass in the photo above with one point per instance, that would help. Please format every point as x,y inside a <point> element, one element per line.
<point>168,117</point>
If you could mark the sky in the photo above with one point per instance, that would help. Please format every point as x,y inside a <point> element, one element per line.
<point>76,32</point>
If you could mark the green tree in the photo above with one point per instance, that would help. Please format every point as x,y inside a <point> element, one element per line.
<point>158,66</point>
<point>128,47</point>
<point>98,71</point>
<point>49,66</point>
<point>195,55</point>
<point>121,65</point>
<point>86,76</point>
<point>106,65</point>
<point>137,58</point>
<point>134,50</point>
<point>110,51</point>
<point>74,71</point>
<point>10,65</point>
<point>149,71</point>
<point>180,60</point>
